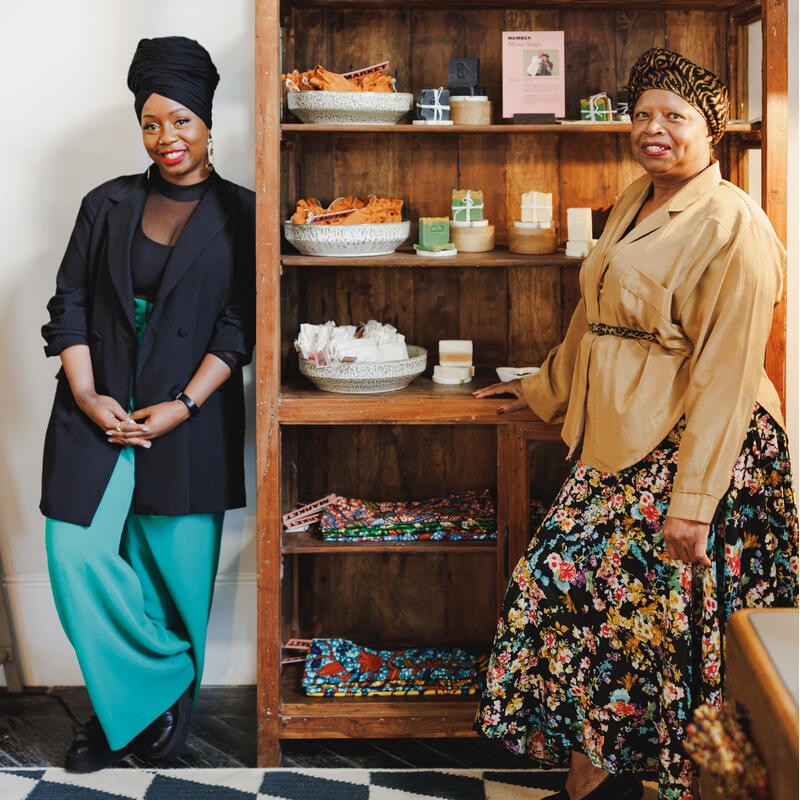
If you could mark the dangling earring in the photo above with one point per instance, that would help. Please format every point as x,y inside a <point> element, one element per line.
<point>210,154</point>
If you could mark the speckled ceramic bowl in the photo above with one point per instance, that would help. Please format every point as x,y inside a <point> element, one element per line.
<point>350,108</point>
<point>367,377</point>
<point>368,239</point>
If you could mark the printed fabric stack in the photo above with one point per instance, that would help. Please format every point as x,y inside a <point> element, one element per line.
<point>341,668</point>
<point>463,515</point>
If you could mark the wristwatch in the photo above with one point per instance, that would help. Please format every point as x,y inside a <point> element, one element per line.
<point>194,409</point>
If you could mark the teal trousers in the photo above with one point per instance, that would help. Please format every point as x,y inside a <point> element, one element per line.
<point>133,593</point>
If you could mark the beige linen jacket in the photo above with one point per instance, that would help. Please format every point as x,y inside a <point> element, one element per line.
<point>703,273</point>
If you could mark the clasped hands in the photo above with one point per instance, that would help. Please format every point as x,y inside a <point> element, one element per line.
<point>139,427</point>
<point>686,539</point>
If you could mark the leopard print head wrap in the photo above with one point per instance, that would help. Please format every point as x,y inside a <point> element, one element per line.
<point>664,69</point>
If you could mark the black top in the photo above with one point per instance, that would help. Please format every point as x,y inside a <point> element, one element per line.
<point>148,261</point>
<point>167,210</point>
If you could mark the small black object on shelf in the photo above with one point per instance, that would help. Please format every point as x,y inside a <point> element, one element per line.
<point>464,71</point>
<point>534,119</point>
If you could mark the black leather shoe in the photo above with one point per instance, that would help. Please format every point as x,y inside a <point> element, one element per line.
<point>90,751</point>
<point>613,787</point>
<point>164,738</point>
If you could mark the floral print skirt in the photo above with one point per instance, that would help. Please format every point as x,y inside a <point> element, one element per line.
<point>605,645</point>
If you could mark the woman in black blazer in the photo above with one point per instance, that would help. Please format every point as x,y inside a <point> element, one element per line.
<point>153,319</point>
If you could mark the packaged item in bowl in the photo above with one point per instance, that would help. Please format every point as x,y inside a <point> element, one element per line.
<point>371,342</point>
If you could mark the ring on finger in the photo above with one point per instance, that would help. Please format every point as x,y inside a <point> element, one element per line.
<point>119,427</point>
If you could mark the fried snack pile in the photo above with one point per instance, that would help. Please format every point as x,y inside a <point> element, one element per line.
<point>322,79</point>
<point>373,209</point>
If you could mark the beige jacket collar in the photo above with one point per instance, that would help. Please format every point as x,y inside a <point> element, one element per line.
<point>703,182</point>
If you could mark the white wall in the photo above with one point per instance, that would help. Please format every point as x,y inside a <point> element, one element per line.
<point>68,125</point>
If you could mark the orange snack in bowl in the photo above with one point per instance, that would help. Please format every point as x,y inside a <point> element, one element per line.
<point>322,79</point>
<point>331,81</point>
<point>375,82</point>
<point>305,209</point>
<point>374,209</point>
<point>346,203</point>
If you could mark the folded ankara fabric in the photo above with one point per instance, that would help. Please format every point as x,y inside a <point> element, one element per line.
<point>462,515</point>
<point>341,668</point>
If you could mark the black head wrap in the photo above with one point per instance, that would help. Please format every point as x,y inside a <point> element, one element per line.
<point>175,67</point>
<point>664,69</point>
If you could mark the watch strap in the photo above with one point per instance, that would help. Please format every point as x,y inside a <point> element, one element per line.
<point>194,409</point>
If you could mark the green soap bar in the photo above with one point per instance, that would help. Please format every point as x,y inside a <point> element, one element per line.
<point>433,231</point>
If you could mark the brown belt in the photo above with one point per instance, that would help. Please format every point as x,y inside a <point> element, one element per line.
<point>600,329</point>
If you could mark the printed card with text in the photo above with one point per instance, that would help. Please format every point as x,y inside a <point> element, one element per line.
<point>533,72</point>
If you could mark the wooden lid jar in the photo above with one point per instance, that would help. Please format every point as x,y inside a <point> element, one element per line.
<point>470,110</point>
<point>532,241</point>
<point>472,238</point>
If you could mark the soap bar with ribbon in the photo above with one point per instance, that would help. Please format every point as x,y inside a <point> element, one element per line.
<point>597,108</point>
<point>467,205</point>
<point>537,207</point>
<point>433,106</point>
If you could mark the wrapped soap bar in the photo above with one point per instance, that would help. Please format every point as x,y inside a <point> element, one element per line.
<point>433,105</point>
<point>455,352</point>
<point>467,205</point>
<point>579,224</point>
<point>537,207</point>
<point>393,351</point>
<point>359,350</point>
<point>597,108</point>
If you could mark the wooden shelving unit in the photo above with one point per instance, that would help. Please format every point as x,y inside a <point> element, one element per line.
<point>428,439</point>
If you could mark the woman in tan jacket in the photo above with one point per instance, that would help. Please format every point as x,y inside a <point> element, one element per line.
<point>679,509</point>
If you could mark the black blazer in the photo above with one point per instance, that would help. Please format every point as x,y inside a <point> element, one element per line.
<point>205,302</point>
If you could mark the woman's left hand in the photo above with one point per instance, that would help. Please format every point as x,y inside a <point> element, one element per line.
<point>687,540</point>
<point>151,422</point>
<point>510,387</point>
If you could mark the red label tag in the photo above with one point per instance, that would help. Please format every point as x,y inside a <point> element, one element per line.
<point>384,65</point>
<point>329,215</point>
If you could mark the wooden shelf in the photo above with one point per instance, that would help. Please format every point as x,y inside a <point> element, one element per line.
<point>307,542</point>
<point>442,130</point>
<point>422,403</point>
<point>303,717</point>
<point>406,257</point>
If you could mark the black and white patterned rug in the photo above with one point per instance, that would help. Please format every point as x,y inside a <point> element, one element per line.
<point>279,784</point>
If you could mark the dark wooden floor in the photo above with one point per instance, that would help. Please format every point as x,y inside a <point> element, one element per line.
<point>36,731</point>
